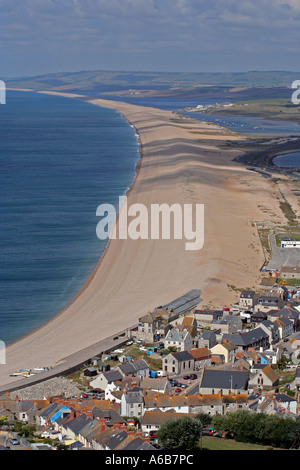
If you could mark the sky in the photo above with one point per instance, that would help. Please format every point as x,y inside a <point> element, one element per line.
<point>50,36</point>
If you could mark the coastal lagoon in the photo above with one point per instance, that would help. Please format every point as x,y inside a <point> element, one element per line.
<point>246,125</point>
<point>288,160</point>
<point>60,159</point>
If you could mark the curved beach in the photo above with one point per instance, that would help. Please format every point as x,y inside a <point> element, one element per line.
<point>181,163</point>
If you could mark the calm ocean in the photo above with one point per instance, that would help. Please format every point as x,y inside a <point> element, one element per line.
<point>60,158</point>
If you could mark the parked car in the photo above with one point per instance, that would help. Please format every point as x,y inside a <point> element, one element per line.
<point>193,376</point>
<point>14,441</point>
<point>173,382</point>
<point>177,390</point>
<point>95,391</point>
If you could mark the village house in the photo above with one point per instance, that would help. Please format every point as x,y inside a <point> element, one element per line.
<point>178,363</point>
<point>273,355</point>
<point>138,368</point>
<point>101,440</point>
<point>284,402</point>
<point>44,416</point>
<point>266,378</point>
<point>247,299</point>
<point>241,363</point>
<point>285,327</point>
<point>181,340</point>
<point>223,381</point>
<point>256,338</point>
<point>228,324</point>
<point>188,324</point>
<point>159,385</point>
<point>152,420</point>
<point>22,410</point>
<point>259,316</point>
<point>205,339</point>
<point>271,329</point>
<point>290,272</point>
<point>202,358</point>
<point>88,431</point>
<point>132,404</point>
<point>106,378</point>
<point>288,313</point>
<point>227,350</point>
<point>208,404</point>
<point>206,317</point>
<point>153,326</point>
<point>265,303</point>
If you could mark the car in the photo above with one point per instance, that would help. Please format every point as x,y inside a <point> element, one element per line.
<point>96,391</point>
<point>84,395</point>
<point>182,385</point>
<point>177,390</point>
<point>186,377</point>
<point>193,376</point>
<point>14,441</point>
<point>173,382</point>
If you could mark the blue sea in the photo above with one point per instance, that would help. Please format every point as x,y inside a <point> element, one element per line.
<point>60,158</point>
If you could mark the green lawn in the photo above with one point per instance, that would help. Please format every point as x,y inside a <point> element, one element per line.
<point>216,443</point>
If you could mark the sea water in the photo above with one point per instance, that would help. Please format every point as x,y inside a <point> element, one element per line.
<point>59,158</point>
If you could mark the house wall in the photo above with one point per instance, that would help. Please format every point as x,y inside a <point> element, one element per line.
<point>172,366</point>
<point>261,380</point>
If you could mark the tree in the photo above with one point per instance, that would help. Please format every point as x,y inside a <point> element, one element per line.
<point>180,433</point>
<point>204,418</point>
<point>260,428</point>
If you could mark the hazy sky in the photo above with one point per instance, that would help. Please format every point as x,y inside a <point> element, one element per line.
<point>42,36</point>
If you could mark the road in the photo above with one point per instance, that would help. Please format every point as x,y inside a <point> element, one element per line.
<point>69,364</point>
<point>282,256</point>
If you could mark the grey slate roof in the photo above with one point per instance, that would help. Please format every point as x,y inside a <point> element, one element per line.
<point>182,356</point>
<point>248,338</point>
<point>113,376</point>
<point>140,365</point>
<point>284,398</point>
<point>184,303</point>
<point>133,397</point>
<point>127,368</point>
<point>248,294</point>
<point>110,416</point>
<point>78,423</point>
<point>50,410</point>
<point>138,444</point>
<point>225,379</point>
<point>115,439</point>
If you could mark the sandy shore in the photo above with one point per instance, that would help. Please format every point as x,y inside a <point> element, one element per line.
<point>181,163</point>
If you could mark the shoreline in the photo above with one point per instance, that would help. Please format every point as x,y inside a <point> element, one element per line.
<point>127,192</point>
<point>131,269</point>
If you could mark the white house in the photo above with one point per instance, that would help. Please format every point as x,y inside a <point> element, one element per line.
<point>181,340</point>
